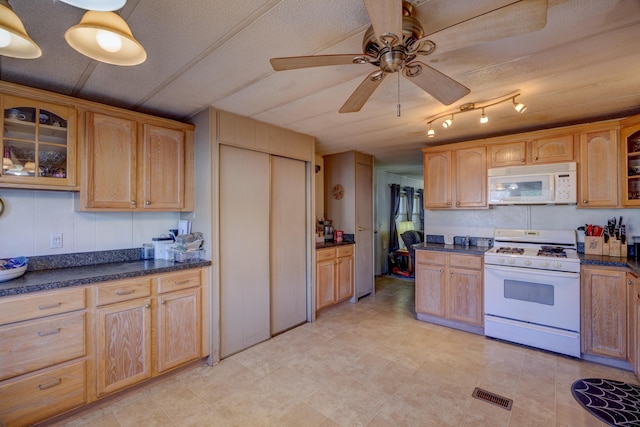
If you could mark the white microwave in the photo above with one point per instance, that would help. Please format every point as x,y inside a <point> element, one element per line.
<point>533,185</point>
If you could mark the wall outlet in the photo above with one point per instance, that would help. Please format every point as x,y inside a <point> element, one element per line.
<point>55,240</point>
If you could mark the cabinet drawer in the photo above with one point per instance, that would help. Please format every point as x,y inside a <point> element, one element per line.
<point>38,397</point>
<point>467,261</point>
<point>429,257</point>
<point>345,250</point>
<point>123,290</point>
<point>37,344</point>
<point>183,280</point>
<point>325,254</point>
<point>41,304</point>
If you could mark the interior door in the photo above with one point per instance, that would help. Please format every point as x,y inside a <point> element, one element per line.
<point>244,249</point>
<point>288,244</point>
<point>364,277</point>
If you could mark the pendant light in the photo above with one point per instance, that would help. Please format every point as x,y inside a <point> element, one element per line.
<point>106,37</point>
<point>99,5</point>
<point>14,40</point>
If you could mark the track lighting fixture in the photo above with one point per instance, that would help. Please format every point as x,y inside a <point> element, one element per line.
<point>101,34</point>
<point>519,106</point>
<point>470,106</point>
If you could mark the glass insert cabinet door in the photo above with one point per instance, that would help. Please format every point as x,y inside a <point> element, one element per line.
<point>38,142</point>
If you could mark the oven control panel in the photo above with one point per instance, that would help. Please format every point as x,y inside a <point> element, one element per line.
<point>538,262</point>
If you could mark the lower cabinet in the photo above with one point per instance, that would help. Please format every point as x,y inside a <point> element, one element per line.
<point>62,349</point>
<point>449,286</point>
<point>604,312</point>
<point>633,283</point>
<point>334,275</point>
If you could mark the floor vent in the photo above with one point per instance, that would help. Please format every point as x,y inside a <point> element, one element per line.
<point>497,400</point>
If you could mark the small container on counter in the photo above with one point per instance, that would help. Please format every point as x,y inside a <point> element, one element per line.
<point>147,251</point>
<point>160,245</point>
<point>337,234</point>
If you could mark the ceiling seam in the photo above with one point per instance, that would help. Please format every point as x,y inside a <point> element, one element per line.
<point>219,43</point>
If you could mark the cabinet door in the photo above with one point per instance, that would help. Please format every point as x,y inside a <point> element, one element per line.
<point>325,283</point>
<point>465,296</point>
<point>598,169</point>
<point>604,310</point>
<point>437,180</point>
<point>471,178</point>
<point>38,144</point>
<point>110,162</point>
<point>344,278</point>
<point>178,330</point>
<point>163,152</point>
<point>430,289</point>
<point>630,166</point>
<point>124,345</point>
<point>510,154</point>
<point>554,149</point>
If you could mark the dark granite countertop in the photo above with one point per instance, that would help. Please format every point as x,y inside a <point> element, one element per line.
<point>331,244</point>
<point>75,275</point>
<point>441,247</point>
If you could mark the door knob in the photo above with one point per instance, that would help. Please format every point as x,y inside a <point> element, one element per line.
<point>360,228</point>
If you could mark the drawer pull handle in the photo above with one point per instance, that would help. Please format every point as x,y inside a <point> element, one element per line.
<point>47,307</point>
<point>51,332</point>
<point>125,291</point>
<point>182,282</point>
<point>51,384</point>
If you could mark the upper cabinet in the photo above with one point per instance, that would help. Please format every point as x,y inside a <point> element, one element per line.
<point>598,162</point>
<point>38,144</point>
<point>630,162</point>
<point>548,149</point>
<point>455,179</point>
<point>134,165</point>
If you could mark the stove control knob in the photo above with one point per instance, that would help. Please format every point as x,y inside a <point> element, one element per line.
<point>528,262</point>
<point>557,265</point>
<point>501,260</point>
<point>512,261</point>
<point>545,264</point>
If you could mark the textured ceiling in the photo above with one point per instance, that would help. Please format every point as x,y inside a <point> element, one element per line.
<point>583,65</point>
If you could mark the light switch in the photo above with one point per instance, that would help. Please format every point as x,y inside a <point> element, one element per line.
<point>55,240</point>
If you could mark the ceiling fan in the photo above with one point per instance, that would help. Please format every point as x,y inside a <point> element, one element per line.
<point>396,39</point>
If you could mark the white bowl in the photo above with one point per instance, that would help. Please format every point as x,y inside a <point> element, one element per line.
<point>12,273</point>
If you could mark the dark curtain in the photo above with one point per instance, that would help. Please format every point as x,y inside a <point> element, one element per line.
<point>420,193</point>
<point>409,191</point>
<point>394,245</point>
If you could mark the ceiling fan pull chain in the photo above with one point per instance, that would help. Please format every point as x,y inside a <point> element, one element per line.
<point>398,112</point>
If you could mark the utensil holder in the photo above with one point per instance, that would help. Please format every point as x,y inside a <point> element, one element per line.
<point>593,245</point>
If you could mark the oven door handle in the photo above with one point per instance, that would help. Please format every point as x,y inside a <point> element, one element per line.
<point>547,273</point>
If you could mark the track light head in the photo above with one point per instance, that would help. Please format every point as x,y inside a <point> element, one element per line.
<point>519,106</point>
<point>447,123</point>
<point>484,119</point>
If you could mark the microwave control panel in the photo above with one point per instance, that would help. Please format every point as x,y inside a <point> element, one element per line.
<point>565,188</point>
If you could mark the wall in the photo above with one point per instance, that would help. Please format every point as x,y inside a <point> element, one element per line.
<point>480,223</point>
<point>30,216</point>
<point>381,202</point>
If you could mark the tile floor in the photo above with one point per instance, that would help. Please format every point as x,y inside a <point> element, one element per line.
<point>365,364</point>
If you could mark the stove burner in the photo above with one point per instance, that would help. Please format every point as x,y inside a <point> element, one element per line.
<point>554,254</point>
<point>507,250</point>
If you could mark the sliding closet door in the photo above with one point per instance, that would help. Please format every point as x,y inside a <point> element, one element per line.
<point>244,249</point>
<point>288,244</point>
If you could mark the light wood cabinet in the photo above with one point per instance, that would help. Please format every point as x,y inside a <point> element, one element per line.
<point>455,179</point>
<point>630,162</point>
<point>551,149</point>
<point>598,168</point>
<point>450,286</point>
<point>633,304</point>
<point>38,144</point>
<point>604,312</point>
<point>42,356</point>
<point>507,154</point>
<point>334,275</point>
<point>134,165</point>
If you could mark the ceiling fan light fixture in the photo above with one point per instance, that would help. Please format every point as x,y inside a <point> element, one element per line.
<point>106,37</point>
<point>519,106</point>
<point>15,41</point>
<point>483,118</point>
<point>98,5</point>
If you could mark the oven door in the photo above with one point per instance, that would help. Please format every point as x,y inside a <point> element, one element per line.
<point>541,297</point>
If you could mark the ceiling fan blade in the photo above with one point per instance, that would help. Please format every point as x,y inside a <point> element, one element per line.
<point>386,18</point>
<point>441,87</point>
<point>294,62</point>
<point>518,18</point>
<point>362,94</point>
